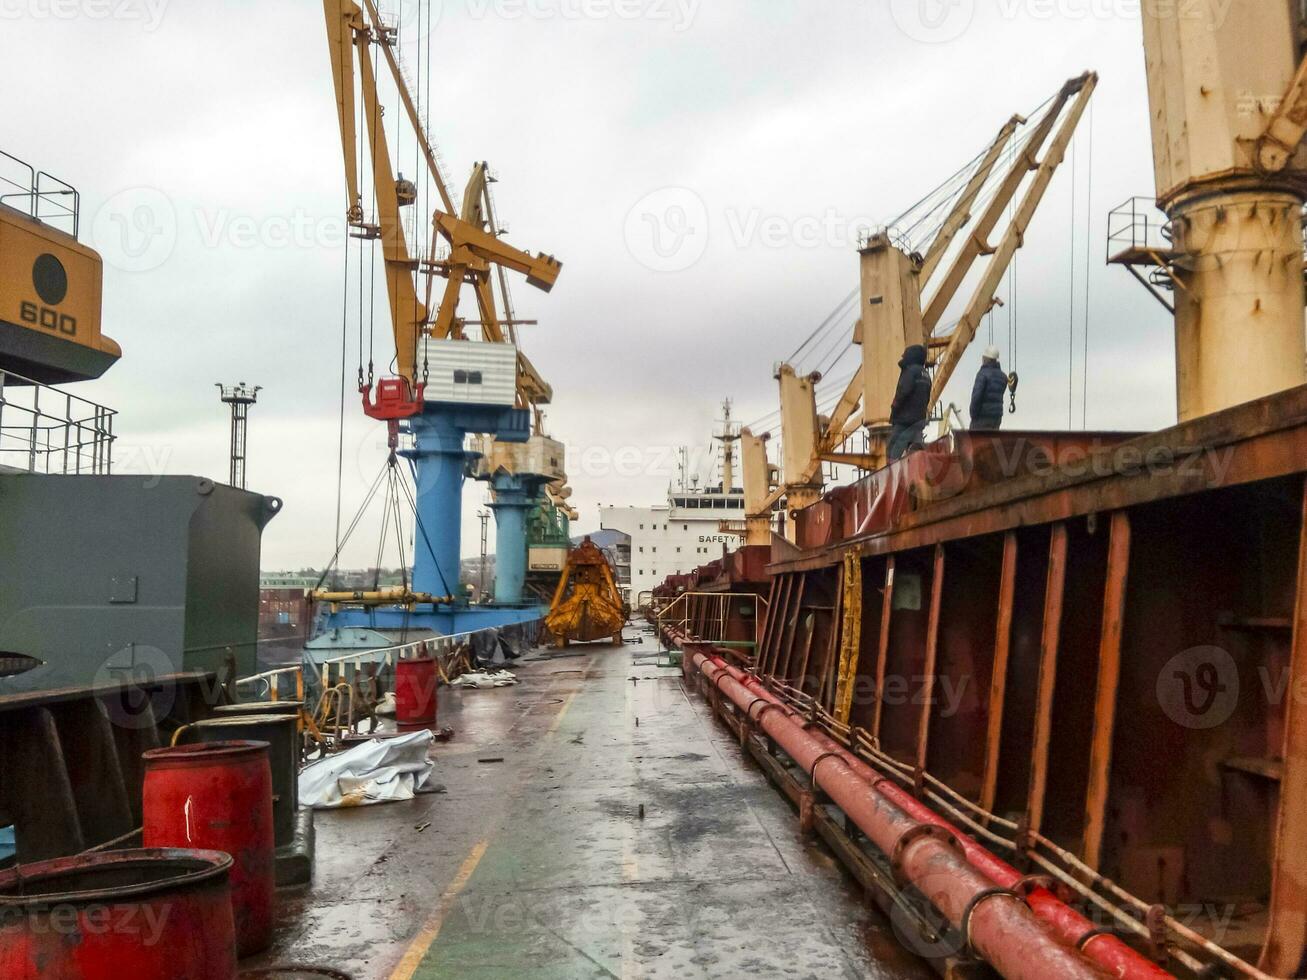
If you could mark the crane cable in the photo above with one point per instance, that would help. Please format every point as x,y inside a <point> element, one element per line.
<point>1071,303</point>
<point>344,380</point>
<point>957,181</point>
<point>353,526</point>
<point>427,208</point>
<point>994,181</point>
<point>1084,387</point>
<point>826,324</point>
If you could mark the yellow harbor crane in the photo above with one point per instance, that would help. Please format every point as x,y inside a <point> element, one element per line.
<point>446,382</point>
<point>473,251</point>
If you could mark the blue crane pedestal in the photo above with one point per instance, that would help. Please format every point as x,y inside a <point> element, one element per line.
<point>516,495</point>
<point>440,468</point>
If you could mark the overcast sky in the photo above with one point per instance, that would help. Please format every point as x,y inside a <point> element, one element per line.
<point>755,139</point>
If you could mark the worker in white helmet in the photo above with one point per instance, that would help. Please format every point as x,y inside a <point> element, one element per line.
<point>987,395</point>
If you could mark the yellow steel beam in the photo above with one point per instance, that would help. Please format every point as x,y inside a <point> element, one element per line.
<point>428,152</point>
<point>344,21</point>
<point>978,241</point>
<point>983,298</point>
<point>961,214</point>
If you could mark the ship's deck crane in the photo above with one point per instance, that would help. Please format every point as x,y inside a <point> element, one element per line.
<point>899,308</point>
<point>1228,99</point>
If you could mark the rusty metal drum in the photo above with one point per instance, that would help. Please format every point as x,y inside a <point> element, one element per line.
<point>415,692</point>
<point>281,732</point>
<point>218,796</point>
<point>143,914</point>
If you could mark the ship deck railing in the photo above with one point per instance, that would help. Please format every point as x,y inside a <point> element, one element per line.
<point>39,195</point>
<point>360,665</point>
<point>47,430</point>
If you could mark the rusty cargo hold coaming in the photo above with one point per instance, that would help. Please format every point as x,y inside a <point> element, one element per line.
<point>1031,627</point>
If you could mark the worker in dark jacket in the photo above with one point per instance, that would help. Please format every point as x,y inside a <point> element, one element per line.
<point>911,403</point>
<point>987,395</point>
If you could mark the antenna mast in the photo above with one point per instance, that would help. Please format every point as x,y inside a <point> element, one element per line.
<point>728,434</point>
<point>240,397</point>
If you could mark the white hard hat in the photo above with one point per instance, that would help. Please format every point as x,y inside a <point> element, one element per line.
<point>991,354</point>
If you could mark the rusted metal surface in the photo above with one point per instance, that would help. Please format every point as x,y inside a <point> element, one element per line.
<point>217,796</point>
<point>932,652</point>
<point>1053,598</point>
<point>998,925</point>
<point>147,915</point>
<point>964,463</point>
<point>1109,680</point>
<point>1262,440</point>
<point>882,647</point>
<point>1074,929</point>
<point>998,679</point>
<point>850,635</point>
<point>1165,575</point>
<point>1285,951</point>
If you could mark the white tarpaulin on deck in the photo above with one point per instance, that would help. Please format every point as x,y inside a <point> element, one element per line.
<point>380,771</point>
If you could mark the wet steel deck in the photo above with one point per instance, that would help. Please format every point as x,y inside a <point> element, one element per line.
<point>541,865</point>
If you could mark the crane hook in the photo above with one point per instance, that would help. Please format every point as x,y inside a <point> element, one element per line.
<point>1012,381</point>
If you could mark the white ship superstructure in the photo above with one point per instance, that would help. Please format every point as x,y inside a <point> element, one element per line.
<point>675,537</point>
<point>685,532</point>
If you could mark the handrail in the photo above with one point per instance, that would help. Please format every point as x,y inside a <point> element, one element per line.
<point>56,432</point>
<point>721,609</point>
<point>36,195</point>
<point>450,646</point>
<point>1137,224</point>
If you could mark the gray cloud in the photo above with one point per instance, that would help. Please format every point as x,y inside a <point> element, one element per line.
<point>775,115</point>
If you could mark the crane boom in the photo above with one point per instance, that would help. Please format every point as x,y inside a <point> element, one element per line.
<point>407,313</point>
<point>983,299</point>
<point>473,251</point>
<point>895,314</point>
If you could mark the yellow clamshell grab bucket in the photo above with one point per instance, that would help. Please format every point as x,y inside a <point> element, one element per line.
<point>587,604</point>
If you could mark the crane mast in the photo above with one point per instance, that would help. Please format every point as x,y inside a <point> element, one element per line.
<point>1226,94</point>
<point>474,253</point>
<point>446,386</point>
<point>904,295</point>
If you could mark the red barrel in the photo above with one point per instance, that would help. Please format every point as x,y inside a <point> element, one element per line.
<point>415,692</point>
<point>143,915</point>
<point>218,796</point>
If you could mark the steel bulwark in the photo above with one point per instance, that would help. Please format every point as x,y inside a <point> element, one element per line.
<point>995,921</point>
<point>1069,925</point>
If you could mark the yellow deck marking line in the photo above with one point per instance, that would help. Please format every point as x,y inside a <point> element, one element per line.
<point>630,863</point>
<point>425,939</point>
<point>562,713</point>
<point>431,929</point>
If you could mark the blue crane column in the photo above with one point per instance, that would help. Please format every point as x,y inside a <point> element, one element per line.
<point>516,494</point>
<point>440,468</point>
<point>440,464</point>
